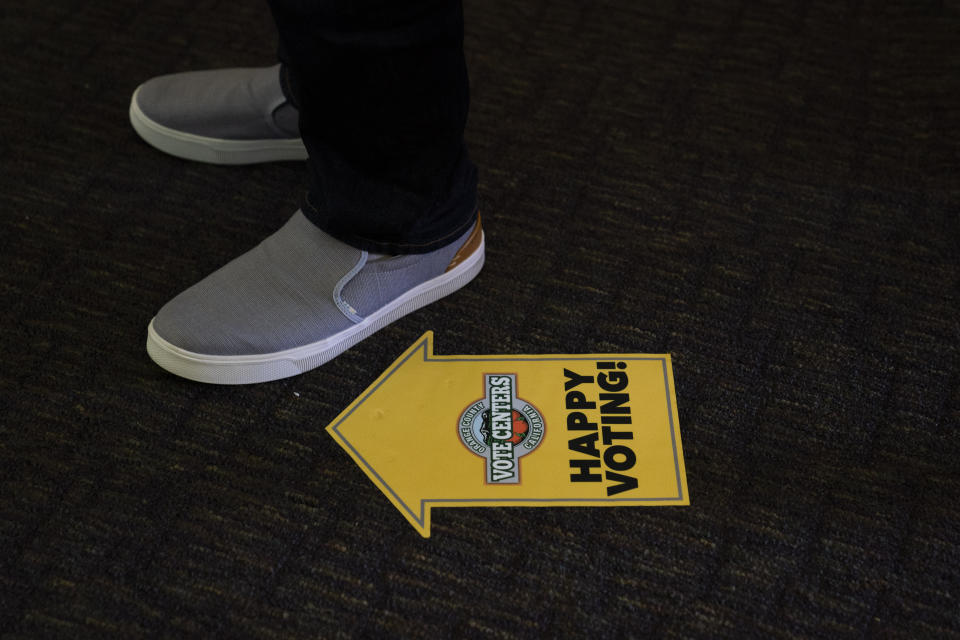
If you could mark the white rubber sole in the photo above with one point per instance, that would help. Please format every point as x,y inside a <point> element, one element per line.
<point>212,150</point>
<point>215,369</point>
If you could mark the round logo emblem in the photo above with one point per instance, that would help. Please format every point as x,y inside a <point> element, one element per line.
<point>501,428</point>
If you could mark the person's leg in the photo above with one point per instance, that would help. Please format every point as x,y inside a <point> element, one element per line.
<point>396,181</point>
<point>383,95</point>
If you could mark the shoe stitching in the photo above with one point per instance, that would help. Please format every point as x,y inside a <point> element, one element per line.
<point>345,307</point>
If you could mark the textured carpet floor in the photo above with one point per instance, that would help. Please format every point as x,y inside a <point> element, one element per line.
<point>768,190</point>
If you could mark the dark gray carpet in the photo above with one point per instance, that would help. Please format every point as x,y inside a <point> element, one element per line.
<point>768,190</point>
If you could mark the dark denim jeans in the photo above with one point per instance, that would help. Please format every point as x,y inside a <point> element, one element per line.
<point>382,90</point>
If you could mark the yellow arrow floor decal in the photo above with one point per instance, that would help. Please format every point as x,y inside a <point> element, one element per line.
<point>518,430</point>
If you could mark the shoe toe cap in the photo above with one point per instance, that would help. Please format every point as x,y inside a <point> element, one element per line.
<point>226,104</point>
<point>244,309</point>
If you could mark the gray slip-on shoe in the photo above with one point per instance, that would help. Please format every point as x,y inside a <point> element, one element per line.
<point>223,116</point>
<point>297,300</point>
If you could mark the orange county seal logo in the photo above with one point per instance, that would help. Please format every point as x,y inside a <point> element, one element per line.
<point>501,428</point>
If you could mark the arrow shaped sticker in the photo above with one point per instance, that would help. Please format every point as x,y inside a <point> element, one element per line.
<point>518,430</point>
